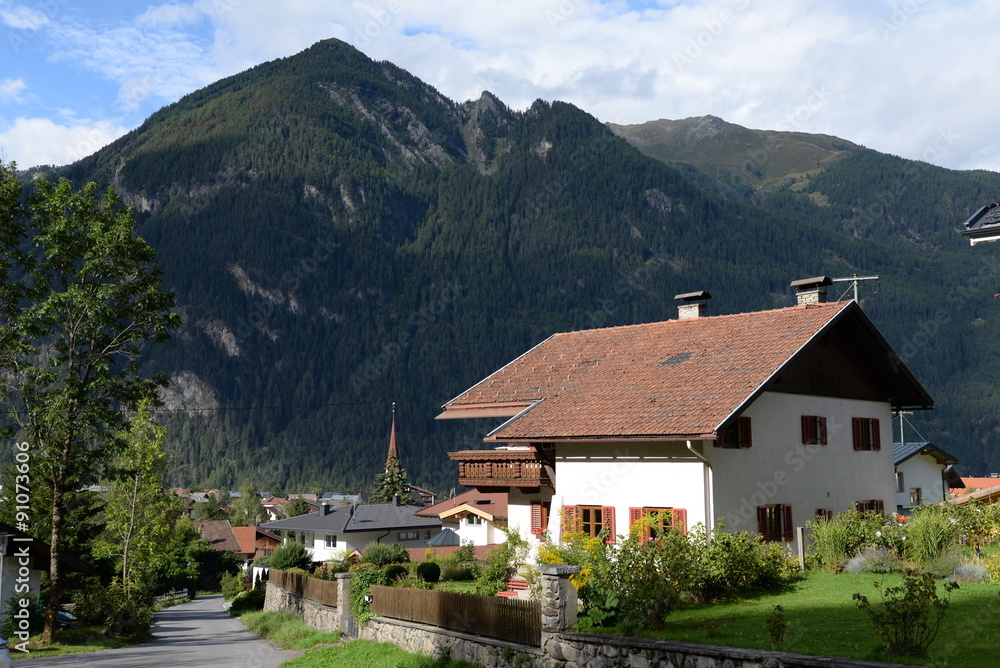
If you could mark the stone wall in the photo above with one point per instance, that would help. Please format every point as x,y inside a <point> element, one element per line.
<point>322,617</point>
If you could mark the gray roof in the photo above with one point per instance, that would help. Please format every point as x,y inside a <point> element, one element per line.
<point>357,517</point>
<point>903,451</point>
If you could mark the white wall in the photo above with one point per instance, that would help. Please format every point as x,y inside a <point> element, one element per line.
<point>921,471</point>
<point>778,469</point>
<point>315,541</point>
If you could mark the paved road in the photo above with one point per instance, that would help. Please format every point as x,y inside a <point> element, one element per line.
<point>195,634</point>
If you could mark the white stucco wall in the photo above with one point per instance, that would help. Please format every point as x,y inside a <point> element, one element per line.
<point>921,471</point>
<point>315,541</point>
<point>778,469</point>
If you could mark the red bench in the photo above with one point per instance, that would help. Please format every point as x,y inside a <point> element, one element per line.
<point>514,585</point>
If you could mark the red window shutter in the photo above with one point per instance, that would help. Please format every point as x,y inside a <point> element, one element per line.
<point>762,521</point>
<point>876,435</point>
<point>746,436</point>
<point>807,435</point>
<point>786,525</point>
<point>570,522</point>
<point>679,519</point>
<point>634,515</point>
<point>822,431</point>
<point>608,522</point>
<point>536,517</point>
<point>856,427</point>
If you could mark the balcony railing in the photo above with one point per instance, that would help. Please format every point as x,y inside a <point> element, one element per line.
<point>504,468</point>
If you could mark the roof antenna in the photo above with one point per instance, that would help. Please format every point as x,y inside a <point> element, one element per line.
<point>854,281</point>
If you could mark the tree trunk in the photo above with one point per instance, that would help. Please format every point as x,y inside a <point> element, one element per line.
<point>55,576</point>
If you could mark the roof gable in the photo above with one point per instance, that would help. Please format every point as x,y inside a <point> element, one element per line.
<point>672,379</point>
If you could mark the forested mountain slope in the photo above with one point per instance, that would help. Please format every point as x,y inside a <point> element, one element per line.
<point>341,236</point>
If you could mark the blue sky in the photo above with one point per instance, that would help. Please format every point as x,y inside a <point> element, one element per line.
<point>913,78</point>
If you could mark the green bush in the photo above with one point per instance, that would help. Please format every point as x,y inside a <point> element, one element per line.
<point>232,584</point>
<point>108,606</point>
<point>729,564</point>
<point>648,575</point>
<point>247,601</point>
<point>383,554</point>
<point>836,540</point>
<point>360,586</point>
<point>429,571</point>
<point>290,554</point>
<point>394,572</point>
<point>909,616</point>
<point>458,573</point>
<point>501,564</point>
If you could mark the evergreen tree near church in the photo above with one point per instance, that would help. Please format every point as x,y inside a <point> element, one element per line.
<point>394,480</point>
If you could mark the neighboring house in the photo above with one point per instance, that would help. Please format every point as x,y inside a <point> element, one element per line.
<point>979,490</point>
<point>765,419</point>
<point>24,561</point>
<point>474,516</point>
<point>924,473</point>
<point>983,225</point>
<point>256,542</point>
<point>337,530</point>
<point>222,538</point>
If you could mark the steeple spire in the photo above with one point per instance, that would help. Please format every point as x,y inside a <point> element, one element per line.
<point>393,446</point>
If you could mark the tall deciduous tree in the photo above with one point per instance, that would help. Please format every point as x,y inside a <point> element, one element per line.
<point>90,303</point>
<point>139,513</point>
<point>247,510</point>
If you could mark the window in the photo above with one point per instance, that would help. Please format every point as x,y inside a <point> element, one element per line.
<point>408,535</point>
<point>666,518</point>
<point>590,520</point>
<point>774,522</point>
<point>736,435</point>
<point>473,519</point>
<point>331,540</point>
<point>871,506</point>
<point>824,513</point>
<point>900,487</point>
<point>867,435</point>
<point>916,496</point>
<point>539,516</point>
<point>813,430</point>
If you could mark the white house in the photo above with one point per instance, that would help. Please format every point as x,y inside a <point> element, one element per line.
<point>336,530</point>
<point>764,419</point>
<point>924,474</point>
<point>475,517</point>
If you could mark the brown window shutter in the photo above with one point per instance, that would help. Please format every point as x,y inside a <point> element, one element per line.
<point>746,436</point>
<point>762,521</point>
<point>807,429</point>
<point>608,522</point>
<point>822,431</point>
<point>876,435</point>
<point>536,517</point>
<point>856,426</point>
<point>786,525</point>
<point>570,523</point>
<point>880,506</point>
<point>679,519</point>
<point>634,515</point>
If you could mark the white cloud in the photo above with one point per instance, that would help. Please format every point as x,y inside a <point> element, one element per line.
<point>169,16</point>
<point>20,17</point>
<point>11,89</point>
<point>40,141</point>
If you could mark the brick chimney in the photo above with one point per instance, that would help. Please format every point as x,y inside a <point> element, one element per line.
<point>695,305</point>
<point>811,290</point>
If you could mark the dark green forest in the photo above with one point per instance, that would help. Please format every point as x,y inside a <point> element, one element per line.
<point>340,236</point>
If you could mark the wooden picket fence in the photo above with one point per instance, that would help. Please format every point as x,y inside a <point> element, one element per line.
<point>508,619</point>
<point>320,591</point>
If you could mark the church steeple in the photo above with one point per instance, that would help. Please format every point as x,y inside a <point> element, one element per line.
<point>393,445</point>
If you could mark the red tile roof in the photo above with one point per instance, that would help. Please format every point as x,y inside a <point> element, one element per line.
<point>494,503</point>
<point>678,378</point>
<point>972,484</point>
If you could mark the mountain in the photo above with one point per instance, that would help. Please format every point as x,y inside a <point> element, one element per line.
<point>341,236</point>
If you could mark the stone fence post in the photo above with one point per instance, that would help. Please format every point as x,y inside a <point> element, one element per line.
<point>347,624</point>
<point>559,602</point>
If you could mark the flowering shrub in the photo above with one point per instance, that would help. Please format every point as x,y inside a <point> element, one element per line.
<point>992,564</point>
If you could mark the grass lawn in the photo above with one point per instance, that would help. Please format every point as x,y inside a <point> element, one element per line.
<point>287,631</point>
<point>823,619</point>
<point>370,655</point>
<point>70,641</point>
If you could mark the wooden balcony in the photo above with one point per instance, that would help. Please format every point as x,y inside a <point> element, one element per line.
<point>502,469</point>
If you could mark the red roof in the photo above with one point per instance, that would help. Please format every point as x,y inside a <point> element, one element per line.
<point>494,503</point>
<point>972,484</point>
<point>672,378</point>
<point>220,535</point>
